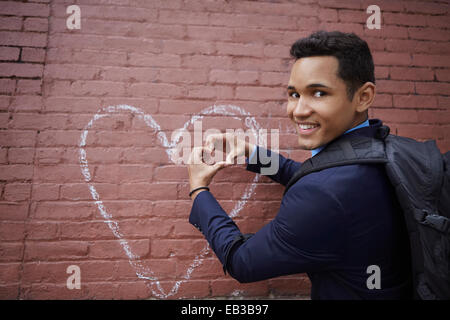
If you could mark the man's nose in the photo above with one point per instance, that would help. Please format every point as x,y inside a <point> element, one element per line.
<point>302,108</point>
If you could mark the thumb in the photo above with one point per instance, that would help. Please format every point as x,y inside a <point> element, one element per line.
<point>220,165</point>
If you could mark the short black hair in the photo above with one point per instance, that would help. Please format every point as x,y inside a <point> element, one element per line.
<point>355,60</point>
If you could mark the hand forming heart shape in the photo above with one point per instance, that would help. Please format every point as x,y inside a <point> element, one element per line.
<point>142,271</point>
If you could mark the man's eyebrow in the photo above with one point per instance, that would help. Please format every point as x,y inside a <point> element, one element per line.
<point>317,85</point>
<point>312,85</point>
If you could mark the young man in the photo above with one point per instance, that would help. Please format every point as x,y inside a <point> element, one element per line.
<point>332,224</point>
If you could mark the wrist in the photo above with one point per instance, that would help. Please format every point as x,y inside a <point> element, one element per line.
<point>194,192</point>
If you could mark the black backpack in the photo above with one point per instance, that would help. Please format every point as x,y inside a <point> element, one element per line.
<point>420,175</point>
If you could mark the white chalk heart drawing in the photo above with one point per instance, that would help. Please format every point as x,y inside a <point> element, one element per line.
<point>143,272</point>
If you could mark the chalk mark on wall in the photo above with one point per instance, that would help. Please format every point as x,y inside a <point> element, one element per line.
<point>142,271</point>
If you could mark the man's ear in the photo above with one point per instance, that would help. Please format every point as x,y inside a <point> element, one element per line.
<point>364,96</point>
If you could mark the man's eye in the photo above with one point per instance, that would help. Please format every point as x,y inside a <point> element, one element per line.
<point>294,95</point>
<point>319,94</point>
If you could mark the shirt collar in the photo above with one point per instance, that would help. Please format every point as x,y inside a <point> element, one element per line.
<point>361,125</point>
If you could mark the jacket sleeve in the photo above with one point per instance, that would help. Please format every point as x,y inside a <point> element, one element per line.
<point>306,235</point>
<point>272,164</point>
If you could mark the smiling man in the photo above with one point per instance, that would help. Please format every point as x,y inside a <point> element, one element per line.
<point>335,224</point>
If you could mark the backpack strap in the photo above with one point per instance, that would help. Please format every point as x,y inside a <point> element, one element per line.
<point>346,150</point>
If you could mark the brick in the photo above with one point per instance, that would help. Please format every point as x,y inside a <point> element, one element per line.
<point>81,191</point>
<point>388,31</point>
<point>415,101</point>
<point>16,172</point>
<point>71,71</point>
<point>206,61</point>
<point>434,116</point>
<point>183,17</point>
<point>11,23</point>
<point>63,210</point>
<point>33,55</point>
<point>391,58</point>
<point>56,138</point>
<point>340,4</point>
<point>443,75</point>
<point>237,49</point>
<point>14,211</point>
<point>408,73</point>
<point>187,47</point>
<point>20,70</point>
<point>21,155</point>
<point>432,88</point>
<point>429,60</point>
<point>210,92</point>
<point>15,8</point>
<point>154,60</point>
<point>129,74</point>
<point>382,101</point>
<point>90,56</point>
<point>7,86</point>
<point>11,251</point>
<point>17,191</point>
<point>59,173</point>
<point>352,16</point>
<point>9,292</point>
<point>27,102</point>
<point>171,173</point>
<point>111,12</point>
<point>259,93</point>
<point>230,76</point>
<point>153,90</point>
<point>418,131</point>
<point>108,249</point>
<point>209,33</point>
<point>274,78</point>
<point>142,191</point>
<point>10,274</point>
<point>29,86</point>
<point>426,7</point>
<point>12,231</point>
<point>47,250</point>
<point>183,76</point>
<point>36,24</point>
<point>9,53</point>
<point>404,19</point>
<point>444,102</point>
<point>195,289</point>
<point>429,34</point>
<point>164,248</point>
<point>288,285</point>
<point>232,288</point>
<point>396,115</point>
<point>29,39</point>
<point>45,191</point>
<point>395,87</point>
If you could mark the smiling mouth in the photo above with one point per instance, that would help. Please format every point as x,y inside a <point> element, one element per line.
<point>307,128</point>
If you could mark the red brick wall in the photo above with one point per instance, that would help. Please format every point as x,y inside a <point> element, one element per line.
<point>171,59</point>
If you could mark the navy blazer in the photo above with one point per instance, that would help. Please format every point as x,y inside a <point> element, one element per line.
<point>331,224</point>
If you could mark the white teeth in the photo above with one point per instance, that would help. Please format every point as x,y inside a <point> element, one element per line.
<point>307,126</point>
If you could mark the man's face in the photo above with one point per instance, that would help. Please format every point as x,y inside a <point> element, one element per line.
<point>318,102</point>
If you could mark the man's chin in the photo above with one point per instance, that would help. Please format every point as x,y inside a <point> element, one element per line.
<point>306,146</point>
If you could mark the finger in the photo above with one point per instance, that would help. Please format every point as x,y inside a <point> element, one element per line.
<point>230,157</point>
<point>196,155</point>
<point>220,165</point>
<point>212,139</point>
